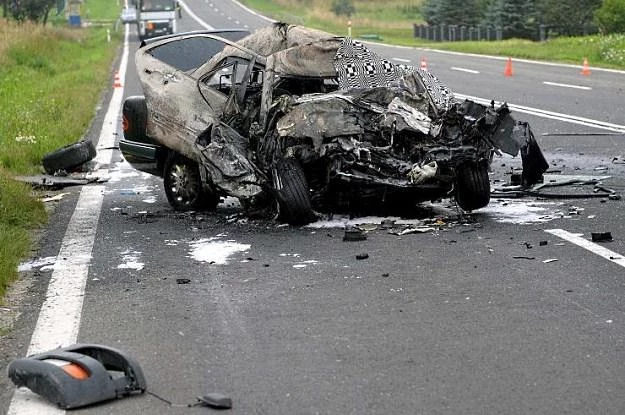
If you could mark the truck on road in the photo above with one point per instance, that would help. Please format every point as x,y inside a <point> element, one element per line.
<point>156,18</point>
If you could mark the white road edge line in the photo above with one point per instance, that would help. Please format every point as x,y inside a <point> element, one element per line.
<point>194,16</point>
<point>59,318</point>
<point>552,115</point>
<point>587,88</point>
<point>589,246</point>
<point>402,60</point>
<point>455,68</point>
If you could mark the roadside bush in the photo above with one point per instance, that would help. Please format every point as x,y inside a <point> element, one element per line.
<point>610,17</point>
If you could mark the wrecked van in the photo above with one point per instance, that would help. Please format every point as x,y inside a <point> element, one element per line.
<point>297,121</point>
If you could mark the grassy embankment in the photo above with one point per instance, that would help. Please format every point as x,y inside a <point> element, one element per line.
<point>392,20</point>
<point>51,79</point>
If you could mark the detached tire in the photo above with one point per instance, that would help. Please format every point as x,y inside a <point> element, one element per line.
<point>69,157</point>
<point>183,185</point>
<point>472,186</point>
<point>293,193</point>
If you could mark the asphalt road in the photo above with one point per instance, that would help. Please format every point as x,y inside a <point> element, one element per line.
<point>488,313</point>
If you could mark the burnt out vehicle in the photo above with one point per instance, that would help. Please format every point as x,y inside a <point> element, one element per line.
<point>301,121</point>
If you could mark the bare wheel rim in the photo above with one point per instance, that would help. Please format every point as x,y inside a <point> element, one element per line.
<point>183,183</point>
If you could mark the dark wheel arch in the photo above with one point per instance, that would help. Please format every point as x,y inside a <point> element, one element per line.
<point>292,192</point>
<point>472,186</point>
<point>183,185</point>
<point>69,157</point>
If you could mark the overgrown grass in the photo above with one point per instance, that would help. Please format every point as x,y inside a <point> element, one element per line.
<point>51,79</point>
<point>392,22</point>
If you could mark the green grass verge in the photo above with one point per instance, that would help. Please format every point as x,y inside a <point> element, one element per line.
<point>391,21</point>
<point>51,79</point>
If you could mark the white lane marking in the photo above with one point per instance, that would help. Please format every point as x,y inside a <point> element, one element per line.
<point>455,68</point>
<point>587,88</point>
<point>402,60</point>
<point>552,115</point>
<point>589,246</point>
<point>247,9</point>
<point>194,16</point>
<point>59,318</point>
<point>505,58</point>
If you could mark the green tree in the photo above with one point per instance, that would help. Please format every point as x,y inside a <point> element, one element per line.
<point>34,10</point>
<point>456,12</point>
<point>516,18</point>
<point>568,17</point>
<point>610,17</point>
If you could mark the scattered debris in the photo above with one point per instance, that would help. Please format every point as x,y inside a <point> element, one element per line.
<point>182,281</point>
<point>413,229</point>
<point>54,198</point>
<point>354,234</point>
<point>57,182</point>
<point>79,375</point>
<point>543,243</point>
<point>601,236</point>
<point>523,257</point>
<point>364,255</point>
<point>214,400</point>
<point>69,158</point>
<point>547,261</point>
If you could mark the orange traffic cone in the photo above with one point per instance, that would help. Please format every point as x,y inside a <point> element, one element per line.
<point>424,64</point>
<point>508,69</point>
<point>117,83</point>
<point>585,69</point>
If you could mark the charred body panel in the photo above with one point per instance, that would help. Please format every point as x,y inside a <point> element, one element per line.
<point>352,120</point>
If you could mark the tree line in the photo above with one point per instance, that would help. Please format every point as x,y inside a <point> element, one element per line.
<point>522,18</point>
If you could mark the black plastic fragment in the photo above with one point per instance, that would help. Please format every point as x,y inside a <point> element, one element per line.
<point>364,255</point>
<point>215,400</point>
<point>601,236</point>
<point>354,234</point>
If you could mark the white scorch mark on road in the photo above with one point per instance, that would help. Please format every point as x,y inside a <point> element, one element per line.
<point>131,260</point>
<point>214,250</point>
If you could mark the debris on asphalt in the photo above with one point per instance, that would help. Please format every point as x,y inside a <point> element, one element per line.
<point>601,236</point>
<point>523,257</point>
<point>543,243</point>
<point>79,375</point>
<point>364,255</point>
<point>182,281</point>
<point>547,261</point>
<point>46,181</point>
<point>412,229</point>
<point>354,234</point>
<point>214,400</point>
<point>54,198</point>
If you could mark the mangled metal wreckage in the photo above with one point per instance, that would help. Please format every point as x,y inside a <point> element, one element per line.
<point>321,123</point>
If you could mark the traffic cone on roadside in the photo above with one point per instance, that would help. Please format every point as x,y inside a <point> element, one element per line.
<point>117,83</point>
<point>508,69</point>
<point>424,64</point>
<point>585,69</point>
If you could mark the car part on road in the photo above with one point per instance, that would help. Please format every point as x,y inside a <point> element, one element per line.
<point>69,157</point>
<point>354,234</point>
<point>601,236</point>
<point>183,185</point>
<point>79,375</point>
